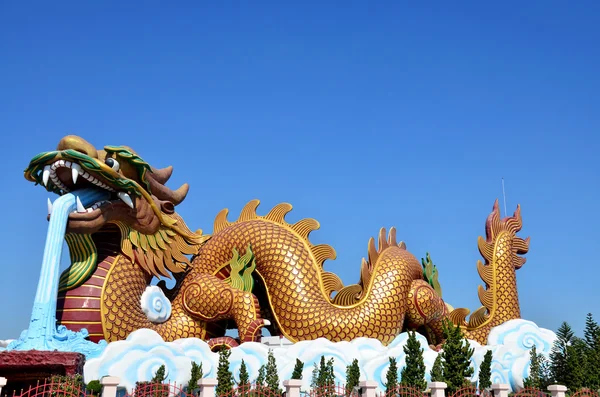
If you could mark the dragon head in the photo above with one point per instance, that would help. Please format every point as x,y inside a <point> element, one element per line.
<point>140,203</point>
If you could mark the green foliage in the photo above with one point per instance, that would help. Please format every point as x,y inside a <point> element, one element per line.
<point>539,371</point>
<point>160,375</point>
<point>485,371</point>
<point>592,354</point>
<point>65,385</point>
<point>437,371</point>
<point>224,375</point>
<point>298,368</point>
<point>325,382</point>
<point>558,356</point>
<point>94,387</point>
<point>271,377</point>
<point>352,376</point>
<point>195,375</point>
<point>260,379</point>
<point>244,384</point>
<point>413,373</point>
<point>456,358</point>
<point>314,380</point>
<point>391,376</point>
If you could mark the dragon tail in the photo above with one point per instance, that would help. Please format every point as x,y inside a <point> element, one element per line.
<point>501,250</point>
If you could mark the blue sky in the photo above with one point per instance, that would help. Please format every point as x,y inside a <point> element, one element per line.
<point>360,115</point>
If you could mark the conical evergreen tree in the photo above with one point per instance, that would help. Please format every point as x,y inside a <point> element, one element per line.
<point>298,368</point>
<point>391,377</point>
<point>592,341</point>
<point>322,377</point>
<point>413,373</point>
<point>271,377</point>
<point>159,376</point>
<point>224,375</point>
<point>558,356</point>
<point>456,356</point>
<point>314,380</point>
<point>195,376</point>
<point>352,376</point>
<point>576,365</point>
<point>260,379</point>
<point>330,379</point>
<point>244,383</point>
<point>533,380</point>
<point>437,371</point>
<point>485,371</point>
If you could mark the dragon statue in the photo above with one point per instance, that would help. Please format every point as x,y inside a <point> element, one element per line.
<point>255,272</point>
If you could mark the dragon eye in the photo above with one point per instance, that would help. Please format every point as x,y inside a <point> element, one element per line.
<point>112,163</point>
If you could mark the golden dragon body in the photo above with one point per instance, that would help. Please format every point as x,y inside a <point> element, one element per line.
<point>119,246</point>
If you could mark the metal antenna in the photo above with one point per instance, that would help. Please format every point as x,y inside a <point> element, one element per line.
<point>504,195</point>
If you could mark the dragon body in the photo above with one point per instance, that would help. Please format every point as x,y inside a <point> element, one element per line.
<point>255,272</point>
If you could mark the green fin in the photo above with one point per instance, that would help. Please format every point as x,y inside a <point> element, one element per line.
<point>83,261</point>
<point>240,276</point>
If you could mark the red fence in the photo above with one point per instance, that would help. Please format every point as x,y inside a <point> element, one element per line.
<point>52,388</point>
<point>404,391</point>
<point>335,390</point>
<point>585,393</point>
<point>531,392</point>
<point>251,390</point>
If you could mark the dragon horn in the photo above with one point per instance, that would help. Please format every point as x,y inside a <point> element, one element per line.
<point>163,193</point>
<point>162,175</point>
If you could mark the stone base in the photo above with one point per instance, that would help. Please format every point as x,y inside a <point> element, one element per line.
<point>23,369</point>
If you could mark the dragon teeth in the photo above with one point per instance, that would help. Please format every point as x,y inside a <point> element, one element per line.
<point>49,207</point>
<point>125,198</point>
<point>75,171</point>
<point>46,175</point>
<point>80,207</point>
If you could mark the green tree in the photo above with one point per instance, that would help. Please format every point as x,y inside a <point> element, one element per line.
<point>391,377</point>
<point>322,377</point>
<point>576,364</point>
<point>314,380</point>
<point>224,375</point>
<point>244,384</point>
<point>456,356</point>
<point>539,371</point>
<point>413,373</point>
<point>271,377</point>
<point>94,387</point>
<point>533,380</point>
<point>298,368</point>
<point>352,376</point>
<point>195,376</point>
<point>558,355</point>
<point>592,341</point>
<point>260,380</point>
<point>437,371</point>
<point>160,375</point>
<point>485,371</point>
<point>330,378</point>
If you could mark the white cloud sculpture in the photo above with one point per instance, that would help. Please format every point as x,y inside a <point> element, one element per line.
<point>138,357</point>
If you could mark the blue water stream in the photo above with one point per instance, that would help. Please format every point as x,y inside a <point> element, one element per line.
<point>42,333</point>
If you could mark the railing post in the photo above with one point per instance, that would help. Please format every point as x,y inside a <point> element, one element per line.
<point>292,387</point>
<point>2,383</point>
<point>557,390</point>
<point>109,386</point>
<point>438,389</point>
<point>207,387</point>
<point>368,388</point>
<point>500,389</point>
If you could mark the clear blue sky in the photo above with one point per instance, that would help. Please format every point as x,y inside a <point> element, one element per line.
<point>360,115</point>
